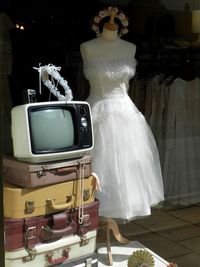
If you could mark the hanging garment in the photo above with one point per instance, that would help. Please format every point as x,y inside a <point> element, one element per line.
<point>181,169</point>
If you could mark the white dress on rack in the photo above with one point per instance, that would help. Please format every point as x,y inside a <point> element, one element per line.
<point>125,155</point>
<point>181,168</point>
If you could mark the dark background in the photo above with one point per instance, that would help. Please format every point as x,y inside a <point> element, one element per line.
<point>53,32</point>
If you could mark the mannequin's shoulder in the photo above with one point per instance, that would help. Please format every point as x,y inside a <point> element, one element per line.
<point>90,49</point>
<point>88,44</point>
<point>128,45</point>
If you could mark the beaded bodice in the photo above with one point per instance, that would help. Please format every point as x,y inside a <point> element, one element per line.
<point>109,78</point>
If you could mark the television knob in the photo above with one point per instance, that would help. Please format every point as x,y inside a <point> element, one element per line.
<point>84,122</point>
<point>83,110</point>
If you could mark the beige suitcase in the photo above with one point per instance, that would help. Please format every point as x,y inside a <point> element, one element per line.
<point>29,202</point>
<point>54,253</point>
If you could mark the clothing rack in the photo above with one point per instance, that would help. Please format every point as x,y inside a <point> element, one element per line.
<point>170,60</point>
<point>170,104</point>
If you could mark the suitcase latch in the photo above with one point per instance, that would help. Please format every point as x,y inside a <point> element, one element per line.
<point>31,255</point>
<point>30,236</point>
<point>86,194</point>
<point>31,232</point>
<point>41,173</point>
<point>29,206</point>
<point>84,241</point>
<point>86,220</point>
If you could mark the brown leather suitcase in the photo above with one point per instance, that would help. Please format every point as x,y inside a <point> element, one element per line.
<point>30,175</point>
<point>30,202</point>
<point>28,232</point>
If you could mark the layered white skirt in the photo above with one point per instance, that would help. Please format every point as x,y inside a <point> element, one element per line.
<point>125,158</point>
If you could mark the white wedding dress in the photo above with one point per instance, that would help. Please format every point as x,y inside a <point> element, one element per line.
<point>125,155</point>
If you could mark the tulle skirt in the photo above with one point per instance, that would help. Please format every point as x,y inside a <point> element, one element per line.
<point>125,158</point>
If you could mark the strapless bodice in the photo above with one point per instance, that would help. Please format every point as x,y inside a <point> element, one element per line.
<point>109,78</point>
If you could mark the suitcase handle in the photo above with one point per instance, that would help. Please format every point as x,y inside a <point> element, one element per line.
<point>64,171</point>
<point>48,233</point>
<point>64,256</point>
<point>54,206</point>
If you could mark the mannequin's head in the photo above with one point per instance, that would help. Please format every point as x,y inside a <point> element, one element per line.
<point>112,19</point>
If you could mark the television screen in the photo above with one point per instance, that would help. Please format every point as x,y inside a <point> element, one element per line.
<point>51,129</point>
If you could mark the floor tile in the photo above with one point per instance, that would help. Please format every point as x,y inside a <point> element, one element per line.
<point>131,229</point>
<point>193,244</point>
<point>181,233</point>
<point>160,221</point>
<point>191,214</point>
<point>166,206</point>
<point>188,260</point>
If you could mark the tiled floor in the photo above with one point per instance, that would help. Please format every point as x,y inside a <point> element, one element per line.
<point>171,232</point>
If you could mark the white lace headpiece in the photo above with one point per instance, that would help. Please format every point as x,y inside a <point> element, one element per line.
<point>53,71</point>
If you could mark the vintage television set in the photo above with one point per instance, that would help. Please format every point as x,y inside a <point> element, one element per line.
<point>50,131</point>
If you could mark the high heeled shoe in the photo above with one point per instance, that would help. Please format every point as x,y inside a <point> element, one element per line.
<point>111,225</point>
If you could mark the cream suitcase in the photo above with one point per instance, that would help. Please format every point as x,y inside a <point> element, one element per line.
<point>54,253</point>
<point>30,202</point>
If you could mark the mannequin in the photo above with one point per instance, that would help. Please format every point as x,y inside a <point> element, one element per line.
<point>125,155</point>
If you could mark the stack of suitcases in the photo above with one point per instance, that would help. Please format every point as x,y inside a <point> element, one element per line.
<point>50,213</point>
